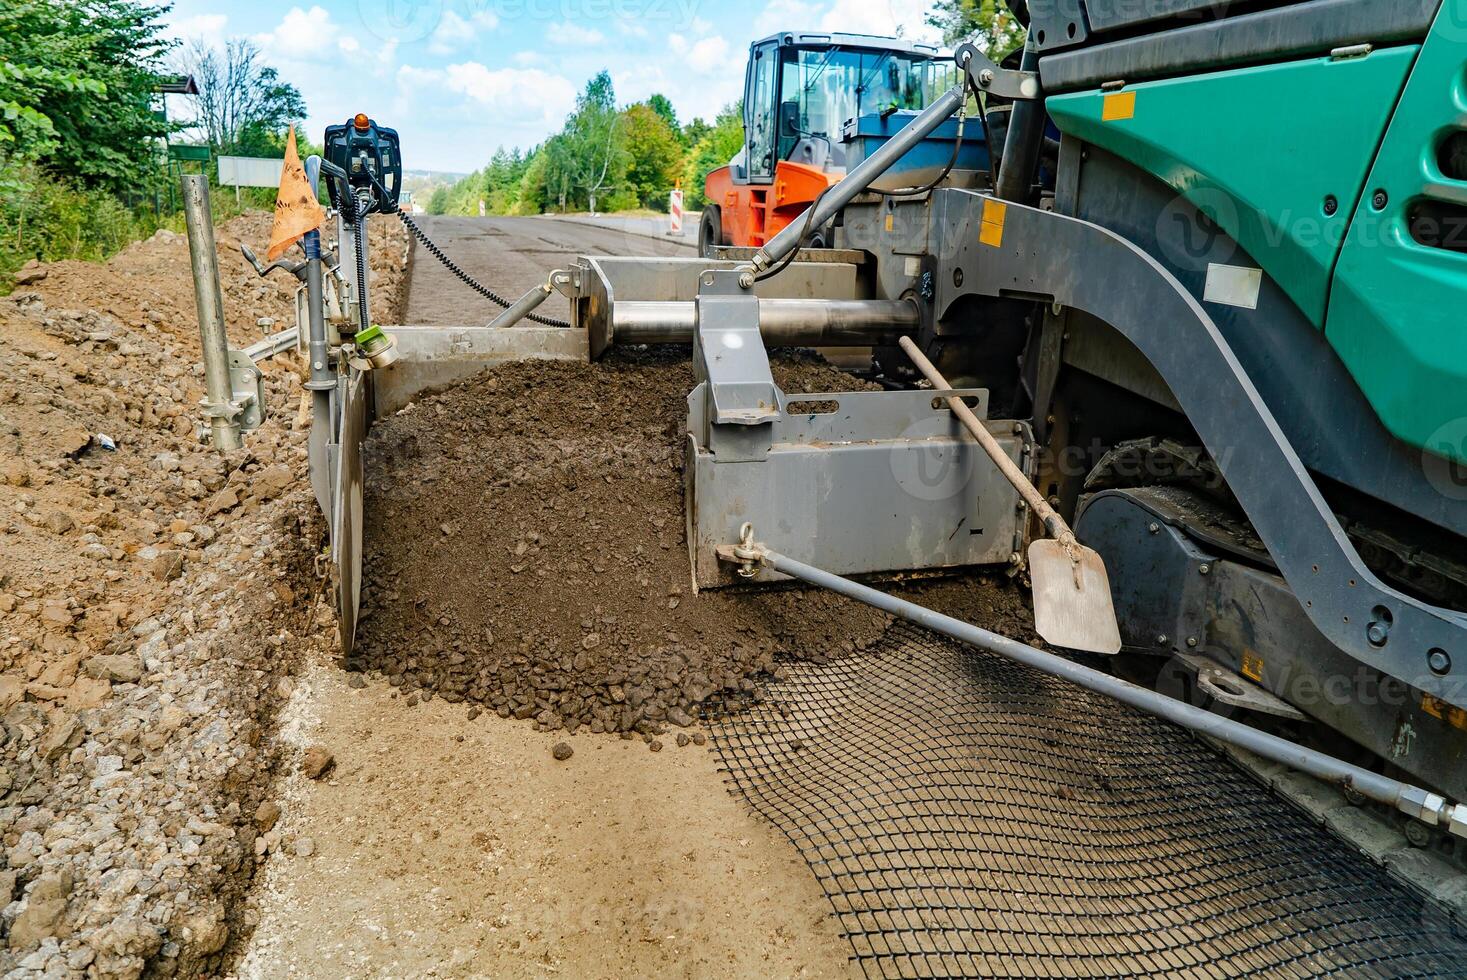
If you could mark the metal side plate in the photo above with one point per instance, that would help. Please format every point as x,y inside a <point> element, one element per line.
<point>346,523</point>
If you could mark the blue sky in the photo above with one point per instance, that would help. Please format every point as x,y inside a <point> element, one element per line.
<point>459,78</point>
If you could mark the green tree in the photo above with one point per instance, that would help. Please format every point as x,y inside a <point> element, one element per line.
<point>694,131</point>
<point>662,105</point>
<point>715,149</point>
<point>988,23</point>
<point>586,161</point>
<point>654,153</point>
<point>77,83</point>
<point>243,106</point>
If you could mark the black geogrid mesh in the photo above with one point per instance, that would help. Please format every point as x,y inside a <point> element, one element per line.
<point>968,816</point>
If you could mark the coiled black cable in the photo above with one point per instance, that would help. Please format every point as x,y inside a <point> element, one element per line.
<point>452,266</point>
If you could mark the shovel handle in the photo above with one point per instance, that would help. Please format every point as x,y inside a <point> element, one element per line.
<point>1053,523</point>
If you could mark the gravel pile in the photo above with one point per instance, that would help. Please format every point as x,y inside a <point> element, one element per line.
<point>151,597</point>
<point>526,552</point>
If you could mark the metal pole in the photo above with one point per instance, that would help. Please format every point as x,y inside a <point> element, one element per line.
<point>223,413</point>
<point>1415,802</point>
<point>1021,145</point>
<point>522,307</point>
<point>322,380</point>
<point>878,163</point>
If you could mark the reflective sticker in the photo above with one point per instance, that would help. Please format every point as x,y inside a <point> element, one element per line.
<point>1117,106</point>
<point>890,220</point>
<point>1252,666</point>
<point>990,232</point>
<point>1450,714</point>
<point>1233,285</point>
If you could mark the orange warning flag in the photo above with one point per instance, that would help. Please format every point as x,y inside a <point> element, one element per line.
<point>296,209</point>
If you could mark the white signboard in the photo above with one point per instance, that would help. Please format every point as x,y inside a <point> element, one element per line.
<point>249,172</point>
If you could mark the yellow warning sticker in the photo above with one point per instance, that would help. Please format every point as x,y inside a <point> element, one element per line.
<point>1252,666</point>
<point>1437,708</point>
<point>1117,106</point>
<point>890,221</point>
<point>990,232</point>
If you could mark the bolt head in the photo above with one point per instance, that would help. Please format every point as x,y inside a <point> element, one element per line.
<point>1161,639</point>
<point>1204,569</point>
<point>1376,634</point>
<point>1417,834</point>
<point>1380,200</point>
<point>986,76</point>
<point>1154,528</point>
<point>1192,641</point>
<point>1439,662</point>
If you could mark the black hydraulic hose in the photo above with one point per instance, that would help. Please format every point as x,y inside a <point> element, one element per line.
<point>785,262</point>
<point>452,266</point>
<point>951,162</point>
<point>1020,10</point>
<point>351,212</point>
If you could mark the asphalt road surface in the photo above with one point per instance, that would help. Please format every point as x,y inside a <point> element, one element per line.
<point>509,255</point>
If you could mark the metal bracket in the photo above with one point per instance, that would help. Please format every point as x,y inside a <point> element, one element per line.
<point>728,352</point>
<point>247,399</point>
<point>1006,83</point>
<point>1227,687</point>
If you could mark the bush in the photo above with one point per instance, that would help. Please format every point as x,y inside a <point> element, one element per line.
<point>50,219</point>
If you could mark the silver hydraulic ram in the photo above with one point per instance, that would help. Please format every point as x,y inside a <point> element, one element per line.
<point>1413,801</point>
<point>782,322</point>
<point>840,194</point>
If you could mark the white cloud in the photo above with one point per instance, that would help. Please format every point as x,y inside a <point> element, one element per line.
<point>526,58</point>
<point>704,56</point>
<point>455,32</point>
<point>304,36</point>
<point>567,32</point>
<point>515,94</point>
<point>886,18</point>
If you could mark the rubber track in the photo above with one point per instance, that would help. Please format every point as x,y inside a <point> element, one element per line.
<point>970,817</point>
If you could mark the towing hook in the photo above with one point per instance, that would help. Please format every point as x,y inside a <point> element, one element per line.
<point>748,555</point>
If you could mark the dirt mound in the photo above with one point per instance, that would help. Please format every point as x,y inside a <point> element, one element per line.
<point>149,588</point>
<point>526,551</point>
<point>149,285</point>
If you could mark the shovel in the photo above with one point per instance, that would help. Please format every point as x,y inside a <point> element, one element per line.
<point>1072,604</point>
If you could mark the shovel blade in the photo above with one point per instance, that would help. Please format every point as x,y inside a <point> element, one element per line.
<point>1072,604</point>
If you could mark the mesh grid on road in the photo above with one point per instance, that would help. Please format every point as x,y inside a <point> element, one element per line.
<point>969,816</point>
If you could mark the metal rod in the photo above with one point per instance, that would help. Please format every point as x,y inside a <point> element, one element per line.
<point>1414,801</point>
<point>878,163</point>
<point>1053,523</point>
<point>219,403</point>
<point>276,343</point>
<point>522,307</point>
<point>1025,135</point>
<point>782,322</point>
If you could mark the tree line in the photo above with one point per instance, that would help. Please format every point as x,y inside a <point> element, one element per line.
<point>611,159</point>
<point>604,158</point>
<point>83,129</point>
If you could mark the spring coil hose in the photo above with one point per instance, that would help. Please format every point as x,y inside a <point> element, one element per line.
<point>463,276</point>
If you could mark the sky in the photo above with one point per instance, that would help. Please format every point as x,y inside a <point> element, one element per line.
<point>459,78</point>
